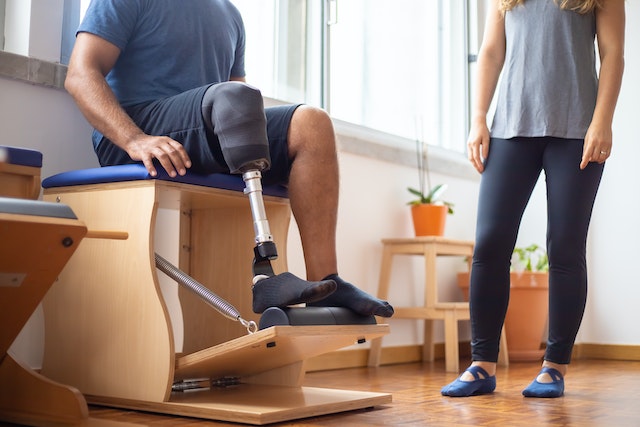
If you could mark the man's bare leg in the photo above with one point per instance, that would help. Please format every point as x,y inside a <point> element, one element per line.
<point>313,193</point>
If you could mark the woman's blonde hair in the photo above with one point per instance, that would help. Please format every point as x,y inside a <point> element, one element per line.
<point>579,6</point>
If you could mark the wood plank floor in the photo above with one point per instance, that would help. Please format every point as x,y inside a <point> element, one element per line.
<point>598,393</point>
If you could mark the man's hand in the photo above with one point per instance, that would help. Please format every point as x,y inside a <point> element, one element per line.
<point>171,154</point>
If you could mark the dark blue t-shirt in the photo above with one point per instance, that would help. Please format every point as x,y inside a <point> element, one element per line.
<point>168,46</point>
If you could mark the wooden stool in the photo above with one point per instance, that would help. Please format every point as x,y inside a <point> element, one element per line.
<point>429,247</point>
<point>36,241</point>
<point>108,330</point>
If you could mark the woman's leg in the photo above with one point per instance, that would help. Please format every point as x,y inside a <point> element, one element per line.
<point>511,172</point>
<point>571,194</point>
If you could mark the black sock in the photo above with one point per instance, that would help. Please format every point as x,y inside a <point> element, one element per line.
<point>286,289</point>
<point>349,296</point>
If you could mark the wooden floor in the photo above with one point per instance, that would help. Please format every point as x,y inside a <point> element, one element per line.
<point>598,393</point>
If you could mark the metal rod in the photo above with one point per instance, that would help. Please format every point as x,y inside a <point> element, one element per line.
<point>253,189</point>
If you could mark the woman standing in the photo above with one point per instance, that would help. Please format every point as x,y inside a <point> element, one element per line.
<point>554,114</point>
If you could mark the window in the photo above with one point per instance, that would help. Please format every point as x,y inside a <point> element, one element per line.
<point>399,67</point>
<point>284,56</point>
<point>393,66</point>
<point>73,12</point>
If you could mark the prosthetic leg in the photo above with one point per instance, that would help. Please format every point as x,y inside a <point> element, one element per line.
<point>234,112</point>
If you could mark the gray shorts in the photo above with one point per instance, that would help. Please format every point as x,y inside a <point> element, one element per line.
<point>180,118</point>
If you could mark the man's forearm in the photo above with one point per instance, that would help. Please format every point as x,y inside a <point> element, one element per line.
<point>98,104</point>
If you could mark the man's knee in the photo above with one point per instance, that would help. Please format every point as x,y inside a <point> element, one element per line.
<point>310,124</point>
<point>306,115</point>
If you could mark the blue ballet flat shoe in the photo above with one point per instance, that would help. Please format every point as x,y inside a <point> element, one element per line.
<point>552,389</point>
<point>459,388</point>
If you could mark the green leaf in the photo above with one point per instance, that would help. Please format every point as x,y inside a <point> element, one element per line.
<point>437,191</point>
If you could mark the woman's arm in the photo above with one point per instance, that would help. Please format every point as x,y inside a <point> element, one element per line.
<point>610,23</point>
<point>490,62</point>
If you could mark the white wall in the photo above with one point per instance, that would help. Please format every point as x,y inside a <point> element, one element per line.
<point>46,120</point>
<point>373,206</point>
<point>612,308</point>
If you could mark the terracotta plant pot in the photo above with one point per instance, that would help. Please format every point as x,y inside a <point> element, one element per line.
<point>527,313</point>
<point>429,219</point>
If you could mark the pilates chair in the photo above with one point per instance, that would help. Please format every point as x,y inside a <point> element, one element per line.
<point>109,332</point>
<point>36,241</point>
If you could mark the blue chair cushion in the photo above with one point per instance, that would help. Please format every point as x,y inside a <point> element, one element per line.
<point>135,172</point>
<point>22,156</point>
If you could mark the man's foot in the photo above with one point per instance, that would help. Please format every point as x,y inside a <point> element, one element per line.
<point>481,383</point>
<point>286,289</point>
<point>349,296</point>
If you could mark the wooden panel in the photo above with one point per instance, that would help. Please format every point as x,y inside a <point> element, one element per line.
<point>272,348</point>
<point>221,255</point>
<point>19,181</point>
<point>107,328</point>
<point>29,398</point>
<point>256,404</point>
<point>32,254</point>
<point>33,251</point>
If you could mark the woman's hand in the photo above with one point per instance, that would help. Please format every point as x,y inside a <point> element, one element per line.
<point>597,145</point>
<point>478,144</point>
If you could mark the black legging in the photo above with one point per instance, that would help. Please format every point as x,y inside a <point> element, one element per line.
<point>511,172</point>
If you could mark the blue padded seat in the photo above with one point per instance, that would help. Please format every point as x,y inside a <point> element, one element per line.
<point>22,156</point>
<point>135,172</point>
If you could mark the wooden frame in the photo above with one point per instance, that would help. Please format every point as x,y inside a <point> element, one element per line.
<point>19,181</point>
<point>33,251</point>
<point>108,331</point>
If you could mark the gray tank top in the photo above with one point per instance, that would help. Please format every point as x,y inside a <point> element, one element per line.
<point>549,83</point>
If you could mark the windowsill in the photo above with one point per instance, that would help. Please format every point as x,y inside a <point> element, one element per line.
<point>32,70</point>
<point>352,138</point>
<point>367,142</point>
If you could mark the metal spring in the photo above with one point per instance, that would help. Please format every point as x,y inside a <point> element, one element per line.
<point>219,304</point>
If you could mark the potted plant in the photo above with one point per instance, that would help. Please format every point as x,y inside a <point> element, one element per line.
<point>428,210</point>
<point>528,309</point>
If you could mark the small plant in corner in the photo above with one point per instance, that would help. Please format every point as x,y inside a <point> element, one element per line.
<point>433,196</point>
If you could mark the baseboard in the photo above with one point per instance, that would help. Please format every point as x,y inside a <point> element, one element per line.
<point>389,356</point>
<point>413,353</point>
<point>607,351</point>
